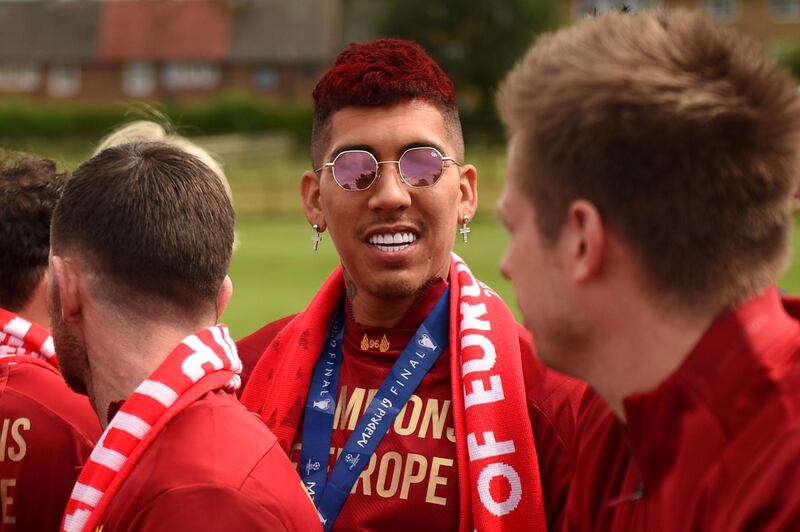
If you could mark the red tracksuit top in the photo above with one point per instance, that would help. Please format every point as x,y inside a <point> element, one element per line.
<point>47,433</point>
<point>715,447</point>
<point>411,483</point>
<point>214,467</point>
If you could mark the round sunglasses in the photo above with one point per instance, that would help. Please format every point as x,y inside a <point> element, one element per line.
<point>356,170</point>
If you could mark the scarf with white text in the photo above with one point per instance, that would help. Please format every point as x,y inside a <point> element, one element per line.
<point>499,488</point>
<point>202,362</point>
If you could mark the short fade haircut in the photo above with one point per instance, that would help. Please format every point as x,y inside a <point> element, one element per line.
<point>29,189</point>
<point>154,221</point>
<point>681,133</point>
<point>378,73</point>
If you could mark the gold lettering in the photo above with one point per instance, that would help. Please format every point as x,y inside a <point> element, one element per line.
<point>435,416</point>
<point>364,477</point>
<point>451,434</point>
<point>409,477</point>
<point>6,500</point>
<point>383,472</point>
<point>413,421</point>
<point>352,411</point>
<point>435,480</point>
<point>19,454</point>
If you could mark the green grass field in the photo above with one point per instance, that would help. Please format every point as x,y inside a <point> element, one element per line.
<point>274,270</point>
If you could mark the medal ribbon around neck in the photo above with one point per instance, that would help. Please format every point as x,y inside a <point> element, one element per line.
<point>330,493</point>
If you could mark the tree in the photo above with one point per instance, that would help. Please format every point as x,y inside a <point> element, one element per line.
<point>476,43</point>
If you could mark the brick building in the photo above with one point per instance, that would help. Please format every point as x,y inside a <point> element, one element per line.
<point>145,49</point>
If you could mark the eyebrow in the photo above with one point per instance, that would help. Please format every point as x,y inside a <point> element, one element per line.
<point>403,149</point>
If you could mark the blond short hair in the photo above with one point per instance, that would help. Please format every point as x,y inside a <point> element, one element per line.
<point>149,131</point>
<point>682,134</point>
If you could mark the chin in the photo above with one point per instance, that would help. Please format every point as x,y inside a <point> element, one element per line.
<point>395,286</point>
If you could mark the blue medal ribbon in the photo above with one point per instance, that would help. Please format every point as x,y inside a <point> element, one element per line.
<point>416,360</point>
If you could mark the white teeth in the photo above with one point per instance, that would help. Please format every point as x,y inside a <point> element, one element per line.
<point>393,242</point>
<point>391,249</point>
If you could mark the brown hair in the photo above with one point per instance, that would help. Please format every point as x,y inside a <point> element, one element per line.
<point>152,219</point>
<point>29,190</point>
<point>682,134</point>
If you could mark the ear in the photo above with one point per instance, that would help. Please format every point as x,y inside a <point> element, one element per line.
<point>224,295</point>
<point>64,273</point>
<point>312,206</point>
<point>468,185</point>
<point>583,235</point>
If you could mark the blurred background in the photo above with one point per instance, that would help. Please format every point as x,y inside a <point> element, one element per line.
<point>236,77</point>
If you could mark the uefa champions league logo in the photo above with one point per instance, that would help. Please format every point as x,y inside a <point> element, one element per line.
<point>425,341</point>
<point>322,405</point>
<point>352,460</point>
<point>312,466</point>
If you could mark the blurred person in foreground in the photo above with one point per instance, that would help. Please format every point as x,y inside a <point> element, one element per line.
<point>650,177</point>
<point>405,375</point>
<point>48,430</point>
<point>141,243</point>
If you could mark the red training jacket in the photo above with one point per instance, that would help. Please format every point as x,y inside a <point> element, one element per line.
<point>214,466</point>
<point>715,447</point>
<point>47,434</point>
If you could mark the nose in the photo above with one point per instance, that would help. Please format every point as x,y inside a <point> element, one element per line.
<point>504,266</point>
<point>390,193</point>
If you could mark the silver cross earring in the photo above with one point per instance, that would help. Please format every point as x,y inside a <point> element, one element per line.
<point>316,238</point>
<point>465,230</point>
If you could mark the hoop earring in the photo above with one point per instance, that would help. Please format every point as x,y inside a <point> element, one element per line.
<point>465,230</point>
<point>316,237</point>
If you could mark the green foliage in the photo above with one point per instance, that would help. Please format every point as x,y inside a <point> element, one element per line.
<point>476,43</point>
<point>227,113</point>
<point>789,57</point>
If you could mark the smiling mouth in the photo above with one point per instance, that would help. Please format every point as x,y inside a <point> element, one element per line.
<point>392,242</point>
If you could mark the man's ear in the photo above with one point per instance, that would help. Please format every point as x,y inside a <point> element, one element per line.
<point>312,205</point>
<point>468,201</point>
<point>64,273</point>
<point>224,295</point>
<point>583,235</point>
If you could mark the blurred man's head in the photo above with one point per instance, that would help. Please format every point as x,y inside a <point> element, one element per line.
<point>656,131</point>
<point>144,232</point>
<point>393,232</point>
<point>29,189</point>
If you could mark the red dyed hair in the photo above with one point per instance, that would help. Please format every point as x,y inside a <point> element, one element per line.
<point>382,72</point>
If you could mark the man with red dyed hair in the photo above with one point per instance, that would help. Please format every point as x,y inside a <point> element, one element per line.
<point>48,431</point>
<point>401,391</point>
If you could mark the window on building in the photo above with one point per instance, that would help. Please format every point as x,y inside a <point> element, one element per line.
<point>63,80</point>
<point>190,76</point>
<point>139,79</point>
<point>266,78</point>
<point>19,78</point>
<point>786,8</point>
<point>722,9</point>
<point>590,7</point>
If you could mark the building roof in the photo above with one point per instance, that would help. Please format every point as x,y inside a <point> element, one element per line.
<point>48,31</point>
<point>144,30</point>
<point>285,31</point>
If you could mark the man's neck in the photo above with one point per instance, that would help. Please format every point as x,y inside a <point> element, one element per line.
<point>36,309</point>
<point>121,360</point>
<point>652,347</point>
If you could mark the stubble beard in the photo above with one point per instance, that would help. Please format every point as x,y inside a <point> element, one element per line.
<point>73,360</point>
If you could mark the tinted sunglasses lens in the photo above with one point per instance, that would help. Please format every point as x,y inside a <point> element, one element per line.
<point>354,170</point>
<point>421,167</point>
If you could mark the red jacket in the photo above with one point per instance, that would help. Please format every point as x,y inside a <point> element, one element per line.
<point>215,466</point>
<point>412,480</point>
<point>47,433</point>
<point>715,447</point>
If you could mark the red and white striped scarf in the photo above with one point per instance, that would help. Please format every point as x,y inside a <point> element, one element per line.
<point>22,338</point>
<point>202,362</point>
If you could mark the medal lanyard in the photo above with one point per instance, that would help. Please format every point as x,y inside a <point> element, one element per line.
<point>418,357</point>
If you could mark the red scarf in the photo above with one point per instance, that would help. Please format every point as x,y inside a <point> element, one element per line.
<point>21,339</point>
<point>202,362</point>
<point>497,465</point>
